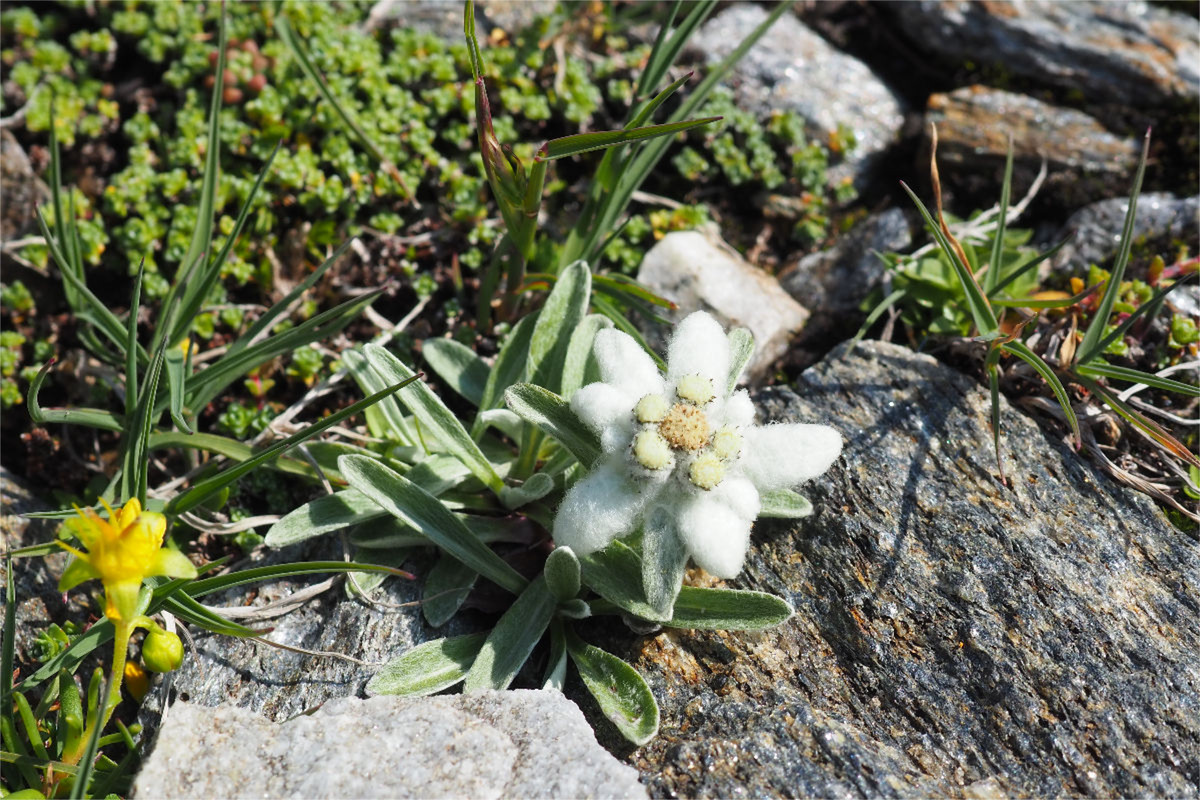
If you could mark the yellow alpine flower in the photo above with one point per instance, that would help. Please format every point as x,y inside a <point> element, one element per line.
<point>122,551</point>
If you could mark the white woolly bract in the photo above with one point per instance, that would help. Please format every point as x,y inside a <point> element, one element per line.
<point>600,508</point>
<point>782,455</point>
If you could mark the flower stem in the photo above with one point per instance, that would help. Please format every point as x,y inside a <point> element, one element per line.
<point>122,631</point>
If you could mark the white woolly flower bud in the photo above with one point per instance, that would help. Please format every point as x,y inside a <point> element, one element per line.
<point>707,471</point>
<point>651,450</point>
<point>651,408</point>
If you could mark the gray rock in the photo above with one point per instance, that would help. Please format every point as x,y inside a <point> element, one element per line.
<point>277,683</point>
<point>39,603</point>
<point>696,273</point>
<point>485,745</point>
<point>793,68</point>
<point>833,283</point>
<point>1131,54</point>
<point>1094,232</point>
<point>952,637</point>
<point>445,17</point>
<point>21,187</point>
<point>1085,161</point>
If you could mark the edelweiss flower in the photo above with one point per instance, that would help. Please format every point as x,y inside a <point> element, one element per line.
<point>686,444</point>
<point>122,551</point>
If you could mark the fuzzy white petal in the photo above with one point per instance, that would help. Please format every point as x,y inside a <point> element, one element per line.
<point>600,508</point>
<point>740,495</point>
<point>624,364</point>
<point>715,534</point>
<point>600,405</point>
<point>739,410</point>
<point>699,346</point>
<point>781,456</point>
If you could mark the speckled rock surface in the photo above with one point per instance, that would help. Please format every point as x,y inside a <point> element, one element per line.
<point>835,282</point>
<point>1094,232</point>
<point>485,745</point>
<point>1085,161</point>
<point>700,273</point>
<point>952,637</point>
<point>793,68</point>
<point>279,684</point>
<point>1132,54</point>
<point>444,18</point>
<point>39,602</point>
<point>21,187</point>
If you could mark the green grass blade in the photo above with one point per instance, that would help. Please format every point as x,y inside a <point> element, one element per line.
<point>8,642</point>
<point>1099,369</point>
<point>176,383</point>
<point>197,289</point>
<point>1031,358</point>
<point>1026,267</point>
<point>91,417</point>
<point>992,276</point>
<point>201,241</point>
<point>981,312</point>
<point>1095,331</point>
<point>210,486</point>
<point>1029,302</point>
<point>1148,309</point>
<point>288,36</point>
<point>206,385</point>
<point>202,586</point>
<point>1143,423</point>
<point>510,366</point>
<point>230,448</point>
<point>586,142</point>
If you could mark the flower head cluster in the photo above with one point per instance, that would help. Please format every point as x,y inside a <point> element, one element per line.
<point>122,551</point>
<point>686,443</point>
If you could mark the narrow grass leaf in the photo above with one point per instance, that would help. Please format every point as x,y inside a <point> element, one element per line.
<point>1144,424</point>
<point>206,488</point>
<point>586,142</point>
<point>1148,309</point>
<point>91,417</point>
<point>992,277</point>
<point>981,312</point>
<point>1031,358</point>
<point>230,448</point>
<point>428,668</point>
<point>1095,330</point>
<point>513,639</point>
<point>621,692</point>
<point>552,415</point>
<point>1104,370</point>
<point>728,609</point>
<point>414,506</point>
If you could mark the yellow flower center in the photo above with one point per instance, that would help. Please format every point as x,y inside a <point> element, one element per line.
<point>685,427</point>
